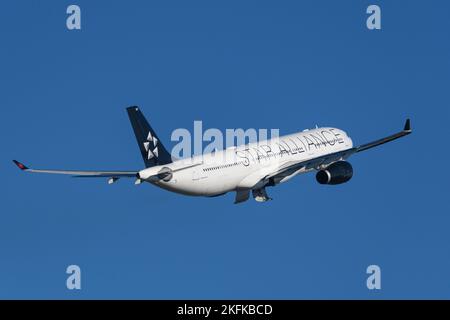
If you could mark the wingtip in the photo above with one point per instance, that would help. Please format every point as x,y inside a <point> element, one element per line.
<point>407,125</point>
<point>132,108</point>
<point>20,165</point>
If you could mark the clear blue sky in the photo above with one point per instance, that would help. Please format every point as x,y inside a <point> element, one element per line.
<point>232,64</point>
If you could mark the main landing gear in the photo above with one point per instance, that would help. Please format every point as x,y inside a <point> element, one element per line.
<point>260,195</point>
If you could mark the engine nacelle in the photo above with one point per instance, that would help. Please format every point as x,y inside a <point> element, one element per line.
<point>336,173</point>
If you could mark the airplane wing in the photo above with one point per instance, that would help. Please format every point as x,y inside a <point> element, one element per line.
<point>289,168</point>
<point>406,130</point>
<point>78,173</point>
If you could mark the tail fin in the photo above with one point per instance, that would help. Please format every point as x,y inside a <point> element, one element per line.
<point>152,150</point>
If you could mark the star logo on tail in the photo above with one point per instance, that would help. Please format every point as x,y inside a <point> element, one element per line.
<point>151,152</point>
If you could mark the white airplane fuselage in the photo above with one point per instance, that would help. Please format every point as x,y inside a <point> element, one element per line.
<point>241,167</point>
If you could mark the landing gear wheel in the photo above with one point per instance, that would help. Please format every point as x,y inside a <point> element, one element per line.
<point>260,195</point>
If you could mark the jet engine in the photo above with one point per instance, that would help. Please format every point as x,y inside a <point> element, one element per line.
<point>336,173</point>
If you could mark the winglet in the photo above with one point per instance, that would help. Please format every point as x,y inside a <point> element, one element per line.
<point>20,165</point>
<point>407,126</point>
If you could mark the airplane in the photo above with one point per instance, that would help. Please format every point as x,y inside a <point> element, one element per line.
<point>244,169</point>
